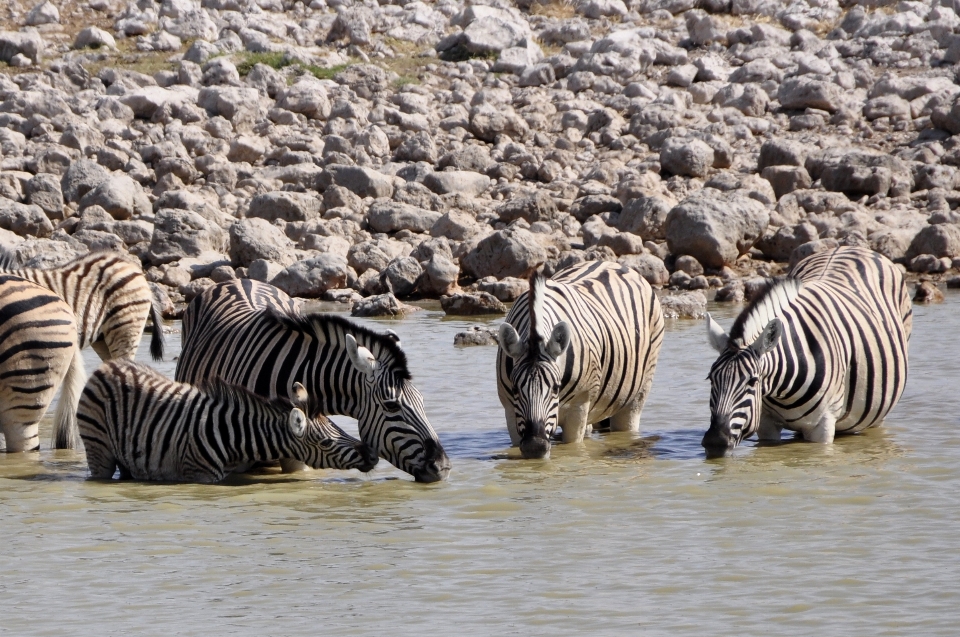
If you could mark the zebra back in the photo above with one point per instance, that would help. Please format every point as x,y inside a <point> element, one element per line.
<point>153,428</point>
<point>38,352</point>
<point>109,296</point>
<point>252,334</point>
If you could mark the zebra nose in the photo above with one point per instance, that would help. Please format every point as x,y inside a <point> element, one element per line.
<point>535,444</point>
<point>717,441</point>
<point>436,464</point>
<point>368,457</point>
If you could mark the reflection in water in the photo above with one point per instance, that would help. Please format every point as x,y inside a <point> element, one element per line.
<point>624,534</point>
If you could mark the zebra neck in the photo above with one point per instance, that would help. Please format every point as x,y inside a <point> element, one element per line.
<point>53,280</point>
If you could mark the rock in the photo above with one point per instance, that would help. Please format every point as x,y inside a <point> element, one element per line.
<point>941,240</point>
<point>690,305</point>
<point>927,292</point>
<point>44,190</point>
<point>811,247</point>
<point>475,336</point>
<point>390,216</point>
<point>929,264</point>
<point>715,228</point>
<point>263,270</point>
<point>688,157</point>
<point>248,149</point>
<point>493,33</point>
<point>146,101</point>
<point>239,105</point>
<point>43,13</point>
<point>401,276</point>
<point>512,251</point>
<point>781,152</point>
<point>649,266</point>
<point>590,205</point>
<point>786,179</point>
<point>645,216</point>
<point>456,225</point>
<point>474,304</point>
<point>807,92</point>
<point>779,245</point>
<point>440,276</point>
<point>313,277</point>
<point>183,233</point>
<point>418,147</point>
<point>256,238</point>
<point>622,243</point>
<point>307,97</point>
<point>27,44</point>
<point>507,289</point>
<point>466,183</point>
<point>732,292</point>
<point>862,173</point>
<point>536,206</point>
<point>120,196</point>
<point>382,305</point>
<point>80,178</point>
<point>364,182</point>
<point>94,38</point>
<point>24,219</point>
<point>289,206</point>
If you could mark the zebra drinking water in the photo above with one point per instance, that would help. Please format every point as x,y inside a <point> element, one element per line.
<point>252,334</point>
<point>820,352</point>
<point>38,353</point>
<point>591,338</point>
<point>152,428</point>
<point>110,298</point>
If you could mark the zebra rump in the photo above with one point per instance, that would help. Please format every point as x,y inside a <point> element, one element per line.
<point>820,352</point>
<point>109,296</point>
<point>38,354</point>
<point>576,350</point>
<point>152,428</point>
<point>252,334</point>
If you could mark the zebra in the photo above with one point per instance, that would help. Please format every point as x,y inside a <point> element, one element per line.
<point>38,353</point>
<point>252,334</point>
<point>152,428</point>
<point>820,352</point>
<point>591,339</point>
<point>110,297</point>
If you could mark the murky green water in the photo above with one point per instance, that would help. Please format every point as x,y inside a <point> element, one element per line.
<point>621,535</point>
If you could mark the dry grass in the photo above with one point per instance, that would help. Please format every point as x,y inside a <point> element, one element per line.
<point>560,9</point>
<point>127,57</point>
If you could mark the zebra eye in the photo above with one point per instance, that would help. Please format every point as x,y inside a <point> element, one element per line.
<point>391,405</point>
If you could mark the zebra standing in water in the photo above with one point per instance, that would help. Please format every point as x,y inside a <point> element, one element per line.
<point>153,428</point>
<point>591,338</point>
<point>821,352</point>
<point>109,296</point>
<point>252,334</point>
<point>38,353</point>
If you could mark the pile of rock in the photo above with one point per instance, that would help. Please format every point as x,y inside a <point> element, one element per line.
<point>694,145</point>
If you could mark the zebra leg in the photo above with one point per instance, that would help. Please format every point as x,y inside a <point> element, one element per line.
<point>100,347</point>
<point>512,425</point>
<point>22,437</point>
<point>573,421</point>
<point>770,428</point>
<point>628,418</point>
<point>823,431</point>
<point>289,465</point>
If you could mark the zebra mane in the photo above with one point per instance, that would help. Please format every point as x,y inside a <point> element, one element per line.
<point>321,325</point>
<point>765,306</point>
<point>220,389</point>
<point>536,335</point>
<point>8,260</point>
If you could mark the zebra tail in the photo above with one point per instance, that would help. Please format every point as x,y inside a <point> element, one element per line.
<point>156,339</point>
<point>66,435</point>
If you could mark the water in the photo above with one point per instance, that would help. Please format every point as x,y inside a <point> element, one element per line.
<point>621,535</point>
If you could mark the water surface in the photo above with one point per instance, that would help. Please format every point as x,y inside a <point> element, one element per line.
<point>621,535</point>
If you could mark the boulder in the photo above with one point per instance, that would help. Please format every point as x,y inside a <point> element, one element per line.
<point>779,245</point>
<point>364,182</point>
<point>941,240</point>
<point>781,152</point>
<point>252,239</point>
<point>807,92</point>
<point>927,292</point>
<point>367,255</point>
<point>507,289</point>
<point>24,219</point>
<point>239,105</point>
<point>464,182</point>
<point>862,173</point>
<point>401,276</point>
<point>714,227</point>
<point>289,206</point>
<point>313,277</point>
<point>390,216</point>
<point>94,38</point>
<point>183,233</point>
<point>644,216</point>
<point>44,190</point>
<point>476,336</point>
<point>440,276</point>
<point>649,266</point>
<point>786,179</point>
<point>28,44</point>
<point>456,225</point>
<point>382,305</point>
<point>120,196</point>
<point>512,251</point>
<point>80,178</point>
<point>307,97</point>
<point>689,305</point>
<point>536,206</point>
<point>686,157</point>
<point>473,304</point>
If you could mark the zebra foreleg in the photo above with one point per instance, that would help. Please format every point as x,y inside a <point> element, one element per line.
<point>573,420</point>
<point>511,417</point>
<point>823,431</point>
<point>628,418</point>
<point>770,428</point>
<point>22,437</point>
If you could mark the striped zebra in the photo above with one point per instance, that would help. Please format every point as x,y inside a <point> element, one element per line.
<point>820,352</point>
<point>591,338</point>
<point>38,353</point>
<point>109,296</point>
<point>152,428</point>
<point>252,334</point>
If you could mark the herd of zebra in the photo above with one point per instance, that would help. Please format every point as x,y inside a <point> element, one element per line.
<point>819,352</point>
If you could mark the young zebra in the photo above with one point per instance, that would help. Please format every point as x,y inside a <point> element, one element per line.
<point>38,353</point>
<point>821,352</point>
<point>252,334</point>
<point>591,338</point>
<point>109,296</point>
<point>153,428</point>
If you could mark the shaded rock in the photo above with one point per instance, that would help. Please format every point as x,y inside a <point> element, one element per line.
<point>690,305</point>
<point>506,290</point>
<point>807,92</point>
<point>590,205</point>
<point>94,38</point>
<point>467,183</point>
<point>779,245</point>
<point>475,336</point>
<point>364,182</point>
<point>183,233</point>
<point>473,304</point>
<point>263,270</point>
<point>786,179</point>
<point>781,152</point>
<point>715,228</point>
<point>862,173</point>
<point>440,276</point>
<point>689,157</point>
<point>289,206</point>
<point>644,216</point>
<point>941,240</point>
<point>401,276</point>
<point>456,225</point>
<point>390,216</point>
<point>252,239</point>
<point>24,219</point>
<point>811,247</point>
<point>512,252</point>
<point>27,44</point>
<point>313,277</point>
<point>927,292</point>
<point>382,305</point>
<point>536,206</point>
<point>649,266</point>
<point>44,190</point>
<point>80,178</point>
<point>120,196</point>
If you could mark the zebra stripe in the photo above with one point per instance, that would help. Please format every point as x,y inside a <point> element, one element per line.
<point>821,352</point>
<point>38,352</point>
<point>110,298</point>
<point>591,339</point>
<point>152,428</point>
<point>252,334</point>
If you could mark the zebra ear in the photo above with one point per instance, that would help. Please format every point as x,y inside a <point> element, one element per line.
<point>559,340</point>
<point>394,337</point>
<point>717,338</point>
<point>768,337</point>
<point>297,421</point>
<point>361,357</point>
<point>509,340</point>
<point>300,394</point>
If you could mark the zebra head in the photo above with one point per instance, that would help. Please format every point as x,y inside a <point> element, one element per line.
<point>392,416</point>
<point>321,443</point>
<point>535,374</point>
<point>736,387</point>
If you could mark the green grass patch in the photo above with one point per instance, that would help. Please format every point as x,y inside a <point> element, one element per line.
<point>322,73</point>
<point>275,60</point>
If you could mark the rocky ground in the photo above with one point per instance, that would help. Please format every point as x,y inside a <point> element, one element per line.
<point>341,149</point>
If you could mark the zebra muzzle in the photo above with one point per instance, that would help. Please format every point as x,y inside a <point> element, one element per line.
<point>368,457</point>
<point>535,444</point>
<point>717,441</point>
<point>436,464</point>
